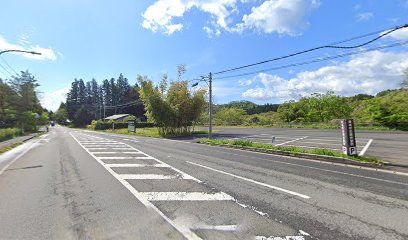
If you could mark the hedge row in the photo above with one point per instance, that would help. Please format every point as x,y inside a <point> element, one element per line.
<point>9,133</point>
<point>104,126</point>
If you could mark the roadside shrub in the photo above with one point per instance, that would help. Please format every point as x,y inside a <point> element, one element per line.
<point>244,143</point>
<point>9,133</point>
<point>100,125</point>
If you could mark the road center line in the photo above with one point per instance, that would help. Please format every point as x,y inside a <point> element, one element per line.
<point>365,148</point>
<point>252,181</point>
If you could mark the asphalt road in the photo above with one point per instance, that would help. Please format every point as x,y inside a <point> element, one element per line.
<point>73,184</point>
<point>387,145</point>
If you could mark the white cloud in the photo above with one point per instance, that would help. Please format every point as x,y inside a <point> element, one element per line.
<point>368,73</point>
<point>52,100</point>
<point>401,34</point>
<point>280,16</point>
<point>160,15</point>
<point>246,82</point>
<point>365,16</point>
<point>46,53</point>
<point>357,7</point>
<point>212,32</point>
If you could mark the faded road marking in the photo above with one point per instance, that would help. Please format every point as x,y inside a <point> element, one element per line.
<point>294,140</point>
<point>365,148</point>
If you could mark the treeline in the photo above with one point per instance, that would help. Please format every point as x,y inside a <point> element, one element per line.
<point>87,101</point>
<point>388,109</point>
<point>249,107</point>
<point>19,104</point>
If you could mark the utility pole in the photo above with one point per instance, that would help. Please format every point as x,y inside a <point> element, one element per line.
<point>104,111</point>
<point>209,84</point>
<point>210,107</point>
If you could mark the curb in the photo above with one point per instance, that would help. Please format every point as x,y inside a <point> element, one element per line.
<point>395,165</point>
<point>27,139</point>
<point>304,155</point>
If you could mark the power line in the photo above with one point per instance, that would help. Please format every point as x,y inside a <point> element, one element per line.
<point>317,48</point>
<point>107,106</point>
<point>125,104</point>
<point>4,60</point>
<point>4,74</point>
<point>5,69</point>
<point>316,60</point>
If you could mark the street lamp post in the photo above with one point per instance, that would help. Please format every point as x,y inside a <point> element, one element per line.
<point>20,51</point>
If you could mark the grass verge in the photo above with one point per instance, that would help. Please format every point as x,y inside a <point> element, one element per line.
<point>149,132</point>
<point>291,149</point>
<point>317,126</point>
<point>5,149</point>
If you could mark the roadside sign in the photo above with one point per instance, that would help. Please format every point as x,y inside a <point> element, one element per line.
<point>348,137</point>
<point>131,125</point>
<point>37,116</point>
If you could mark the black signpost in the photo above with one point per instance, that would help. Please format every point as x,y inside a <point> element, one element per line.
<point>349,137</point>
<point>131,125</point>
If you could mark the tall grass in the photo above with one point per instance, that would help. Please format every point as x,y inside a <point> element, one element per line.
<point>9,133</point>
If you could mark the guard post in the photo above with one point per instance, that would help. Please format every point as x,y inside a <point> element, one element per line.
<point>131,125</point>
<point>349,137</point>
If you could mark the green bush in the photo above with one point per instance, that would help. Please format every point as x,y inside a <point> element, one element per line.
<point>9,133</point>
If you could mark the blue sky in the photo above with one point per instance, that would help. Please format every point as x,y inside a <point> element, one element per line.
<point>101,39</point>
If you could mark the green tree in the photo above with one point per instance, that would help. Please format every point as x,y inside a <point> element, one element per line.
<point>61,115</point>
<point>8,97</point>
<point>176,110</point>
<point>230,116</point>
<point>82,117</point>
<point>26,103</point>
<point>43,118</point>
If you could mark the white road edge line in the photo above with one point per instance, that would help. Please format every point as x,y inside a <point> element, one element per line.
<point>297,139</point>
<point>252,181</point>
<point>182,229</point>
<point>16,158</point>
<point>365,148</point>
